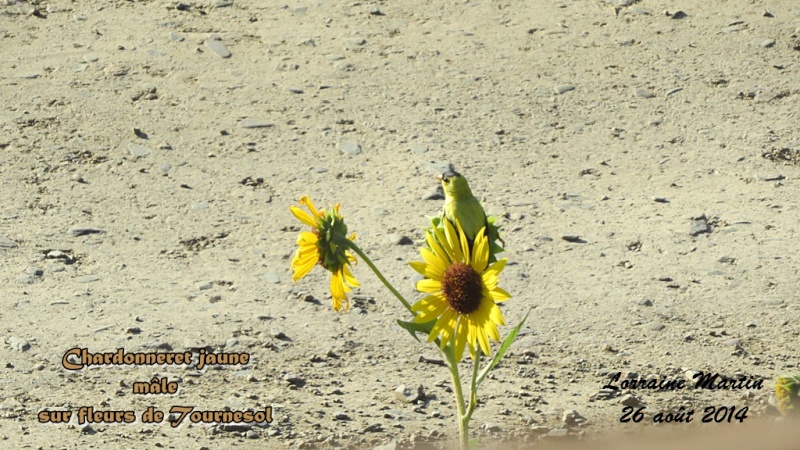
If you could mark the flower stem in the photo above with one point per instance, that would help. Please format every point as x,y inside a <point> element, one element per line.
<point>473,397</point>
<point>463,420</point>
<point>380,276</point>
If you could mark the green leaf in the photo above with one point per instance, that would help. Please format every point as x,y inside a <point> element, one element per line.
<point>502,350</point>
<point>413,327</point>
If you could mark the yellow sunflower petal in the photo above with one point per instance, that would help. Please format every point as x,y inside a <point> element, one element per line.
<point>337,291</point>
<point>307,201</point>
<point>496,267</point>
<point>307,238</point>
<point>348,276</point>
<point>435,266</point>
<point>418,266</point>
<point>436,248</point>
<point>453,242</point>
<point>464,244</point>
<point>303,216</point>
<point>429,286</point>
<point>499,295</point>
<point>480,251</point>
<point>444,327</point>
<point>302,269</point>
<point>429,308</point>
<point>495,315</point>
<point>483,341</point>
<point>442,240</point>
<point>461,337</point>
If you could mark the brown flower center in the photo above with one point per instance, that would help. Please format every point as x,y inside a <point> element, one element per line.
<point>462,288</point>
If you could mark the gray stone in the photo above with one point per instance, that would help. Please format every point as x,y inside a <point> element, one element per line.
<point>253,123</point>
<point>439,167</point>
<point>272,277</point>
<point>630,400</point>
<point>27,279</point>
<point>762,42</point>
<point>733,342</point>
<point>175,37</point>
<point>409,394</point>
<point>138,151</point>
<point>53,268</point>
<point>436,193</point>
<point>7,243</point>
<point>204,285</point>
<point>19,344</point>
<point>349,148</point>
<point>644,93</point>
<point>87,279</point>
<point>217,46</point>
<point>84,231</point>
<point>655,326</point>
<point>293,379</point>
<point>557,433</point>
<point>34,271</point>
<point>356,41</point>
<point>563,89</point>
<point>572,418</point>
<point>492,427</point>
<point>398,239</point>
<point>698,225</point>
<point>419,148</point>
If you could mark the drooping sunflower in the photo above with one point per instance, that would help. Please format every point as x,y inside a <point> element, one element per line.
<point>462,289</point>
<point>325,245</point>
<point>787,394</point>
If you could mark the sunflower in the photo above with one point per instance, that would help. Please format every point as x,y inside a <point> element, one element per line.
<point>462,288</point>
<point>787,394</point>
<point>326,245</point>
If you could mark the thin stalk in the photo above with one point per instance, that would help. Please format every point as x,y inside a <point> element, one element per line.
<point>380,276</point>
<point>473,397</point>
<point>463,425</point>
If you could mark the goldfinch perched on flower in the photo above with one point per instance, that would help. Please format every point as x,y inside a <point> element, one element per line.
<point>461,204</point>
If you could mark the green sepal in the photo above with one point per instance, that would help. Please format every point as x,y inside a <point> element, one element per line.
<point>413,327</point>
<point>502,350</point>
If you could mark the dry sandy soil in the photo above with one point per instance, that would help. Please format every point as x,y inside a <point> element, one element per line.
<point>146,180</point>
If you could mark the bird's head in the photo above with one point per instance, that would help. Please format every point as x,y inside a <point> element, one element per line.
<point>454,184</point>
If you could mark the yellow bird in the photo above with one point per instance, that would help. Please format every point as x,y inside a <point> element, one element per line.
<point>459,203</point>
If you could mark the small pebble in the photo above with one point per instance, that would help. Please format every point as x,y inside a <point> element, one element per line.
<point>349,148</point>
<point>253,123</point>
<point>272,277</point>
<point>217,46</point>
<point>7,243</point>
<point>138,151</point>
<point>76,232</point>
<point>762,42</point>
<point>564,88</point>
<point>409,394</point>
<point>87,279</point>
<point>19,344</point>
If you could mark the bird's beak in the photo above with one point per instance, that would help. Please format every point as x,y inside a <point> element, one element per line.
<point>439,177</point>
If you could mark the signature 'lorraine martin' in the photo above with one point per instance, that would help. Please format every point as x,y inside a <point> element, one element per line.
<point>704,381</point>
